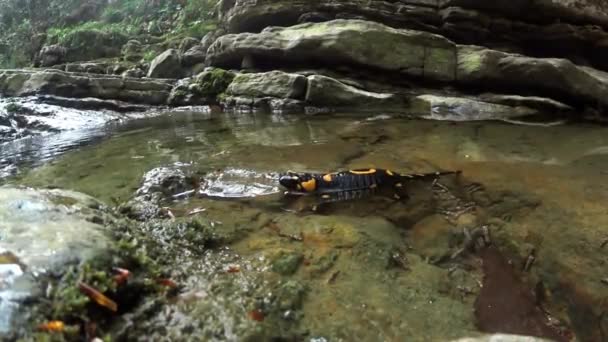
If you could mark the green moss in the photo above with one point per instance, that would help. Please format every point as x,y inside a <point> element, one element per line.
<point>291,294</point>
<point>215,82</point>
<point>149,55</point>
<point>12,108</point>
<point>135,251</point>
<point>67,35</point>
<point>324,263</point>
<point>287,263</point>
<point>469,61</point>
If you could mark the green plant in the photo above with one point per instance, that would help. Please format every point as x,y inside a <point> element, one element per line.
<point>12,108</point>
<point>60,19</point>
<point>149,56</point>
<point>214,82</point>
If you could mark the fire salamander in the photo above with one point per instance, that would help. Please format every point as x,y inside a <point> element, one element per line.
<point>353,184</point>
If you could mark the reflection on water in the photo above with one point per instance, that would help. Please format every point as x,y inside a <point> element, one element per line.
<point>35,150</point>
<point>238,183</point>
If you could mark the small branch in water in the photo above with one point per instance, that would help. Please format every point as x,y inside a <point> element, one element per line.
<point>184,194</point>
<point>530,260</point>
<point>479,237</point>
<point>196,211</point>
<point>333,277</point>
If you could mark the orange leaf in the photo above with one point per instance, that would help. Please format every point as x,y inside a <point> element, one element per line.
<point>166,282</point>
<point>256,315</point>
<point>98,297</point>
<point>52,326</point>
<point>121,275</point>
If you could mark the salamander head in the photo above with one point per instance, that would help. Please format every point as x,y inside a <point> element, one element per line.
<point>300,182</point>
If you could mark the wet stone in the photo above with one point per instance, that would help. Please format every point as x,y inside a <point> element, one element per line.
<point>286,263</point>
<point>158,185</point>
<point>290,295</point>
<point>42,231</point>
<point>323,230</point>
<point>431,237</point>
<point>321,264</point>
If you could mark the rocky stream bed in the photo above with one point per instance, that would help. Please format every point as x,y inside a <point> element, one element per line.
<point>514,245</point>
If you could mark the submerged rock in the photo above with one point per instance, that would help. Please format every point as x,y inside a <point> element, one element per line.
<point>158,185</point>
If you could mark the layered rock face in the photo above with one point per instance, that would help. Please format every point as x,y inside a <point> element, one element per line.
<point>555,50</point>
<point>362,55</point>
<point>549,28</point>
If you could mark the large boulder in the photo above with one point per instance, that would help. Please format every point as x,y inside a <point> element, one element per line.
<point>326,91</point>
<point>52,54</point>
<point>204,88</point>
<point>353,42</point>
<point>194,55</point>
<point>543,76</point>
<point>186,44</point>
<point>210,37</point>
<point>275,84</point>
<point>166,65</point>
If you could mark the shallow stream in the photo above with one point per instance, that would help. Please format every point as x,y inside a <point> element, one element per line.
<point>371,268</point>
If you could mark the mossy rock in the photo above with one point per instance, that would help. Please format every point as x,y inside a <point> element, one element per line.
<point>83,45</point>
<point>213,82</point>
<point>287,263</point>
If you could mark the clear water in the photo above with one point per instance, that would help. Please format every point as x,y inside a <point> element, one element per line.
<point>545,189</point>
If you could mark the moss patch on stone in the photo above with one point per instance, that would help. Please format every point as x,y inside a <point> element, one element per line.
<point>214,82</point>
<point>286,263</point>
<point>469,61</point>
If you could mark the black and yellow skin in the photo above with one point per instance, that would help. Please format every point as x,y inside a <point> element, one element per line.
<point>352,184</point>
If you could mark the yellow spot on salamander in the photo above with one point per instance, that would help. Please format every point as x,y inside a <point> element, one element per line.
<point>327,177</point>
<point>363,172</point>
<point>389,172</point>
<point>310,185</point>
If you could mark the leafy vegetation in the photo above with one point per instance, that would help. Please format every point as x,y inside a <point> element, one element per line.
<point>27,25</point>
